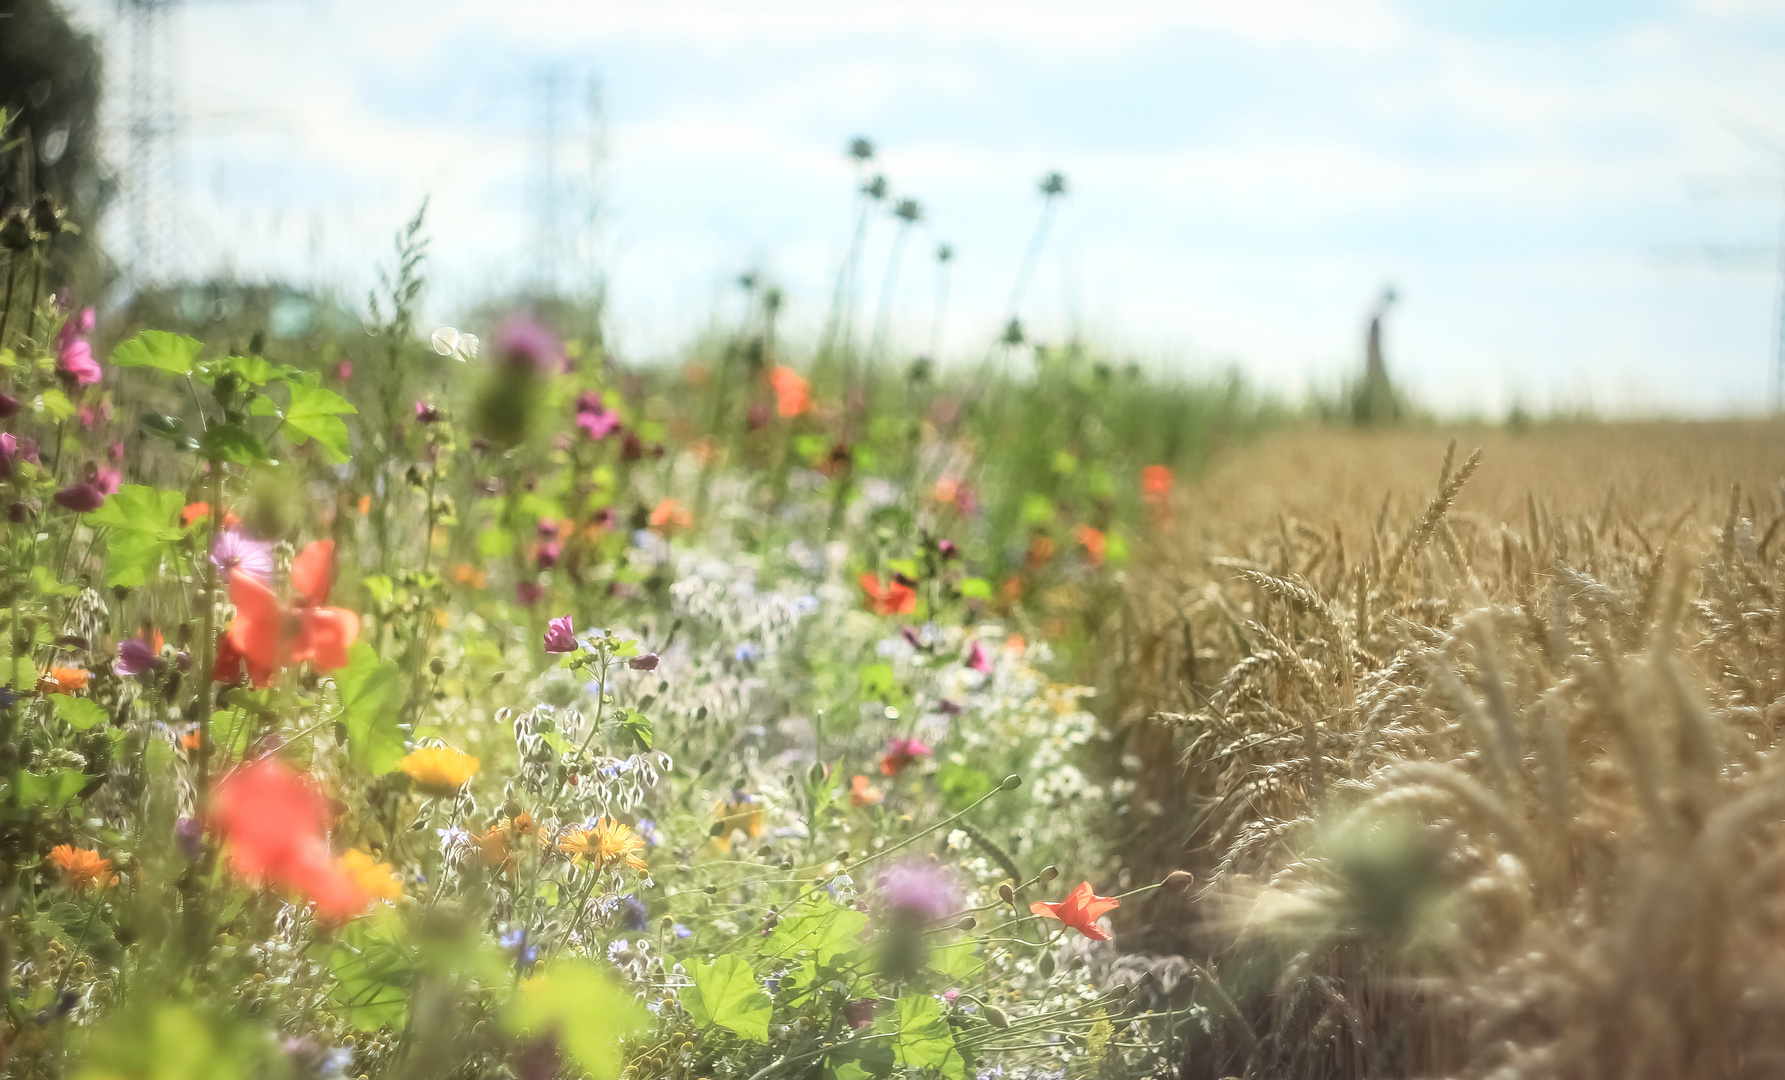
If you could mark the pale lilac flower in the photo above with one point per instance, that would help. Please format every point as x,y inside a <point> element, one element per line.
<point>236,550</point>
<point>919,889</point>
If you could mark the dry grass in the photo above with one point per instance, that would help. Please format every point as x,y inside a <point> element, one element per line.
<point>1484,780</point>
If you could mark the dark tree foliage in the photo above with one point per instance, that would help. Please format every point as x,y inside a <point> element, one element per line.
<point>51,83</point>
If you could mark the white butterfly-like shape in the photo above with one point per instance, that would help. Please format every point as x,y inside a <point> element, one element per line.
<point>449,342</point>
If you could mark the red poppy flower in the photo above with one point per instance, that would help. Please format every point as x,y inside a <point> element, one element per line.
<point>269,635</point>
<point>900,753</point>
<point>896,598</point>
<point>1080,910</point>
<point>276,825</point>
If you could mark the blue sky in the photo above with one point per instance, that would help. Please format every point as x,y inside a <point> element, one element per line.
<point>1246,176</point>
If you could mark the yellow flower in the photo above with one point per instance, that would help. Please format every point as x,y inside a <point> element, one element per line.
<point>374,878</point>
<point>742,812</point>
<point>81,867</point>
<point>610,843</point>
<point>440,769</point>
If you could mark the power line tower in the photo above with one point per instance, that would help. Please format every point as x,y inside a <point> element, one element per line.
<point>150,127</point>
<point>548,224</point>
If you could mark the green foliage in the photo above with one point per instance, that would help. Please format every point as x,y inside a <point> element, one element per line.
<point>578,1003</point>
<point>369,690</point>
<point>143,530</point>
<point>315,413</point>
<point>172,353</point>
<point>725,993</point>
<point>179,1042</point>
<point>78,713</point>
<point>925,1041</point>
<point>817,927</point>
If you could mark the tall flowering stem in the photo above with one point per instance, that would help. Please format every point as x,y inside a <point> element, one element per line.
<point>207,642</point>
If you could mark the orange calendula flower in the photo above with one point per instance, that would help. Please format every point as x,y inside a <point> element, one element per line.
<point>377,880</point>
<point>63,680</point>
<point>670,516</point>
<point>1080,910</point>
<point>1094,543</point>
<point>793,394</point>
<point>440,770</point>
<point>81,868</point>
<point>607,844</point>
<point>893,598</point>
<point>860,794</point>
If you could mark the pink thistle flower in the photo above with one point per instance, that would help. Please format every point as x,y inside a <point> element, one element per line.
<point>979,659</point>
<point>918,890</point>
<point>522,343</point>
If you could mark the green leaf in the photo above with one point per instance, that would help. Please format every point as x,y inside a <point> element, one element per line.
<point>232,442</point>
<point>975,588</point>
<point>78,713</point>
<point>51,790</point>
<point>925,1040</point>
<point>373,969</point>
<point>158,349</point>
<point>56,404</point>
<point>725,993</point>
<point>956,960</point>
<point>878,681</point>
<point>369,689</point>
<point>44,580</point>
<point>817,926</point>
<point>176,1042</point>
<point>860,1059</point>
<point>316,413</point>
<point>587,1011</point>
<point>143,530</point>
<point>250,369</point>
<point>637,727</point>
<point>962,785</point>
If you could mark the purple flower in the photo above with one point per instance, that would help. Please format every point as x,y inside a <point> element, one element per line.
<point>547,555</point>
<point>8,405</point>
<point>560,637</point>
<point>647,662</point>
<point>81,498</point>
<point>522,343</point>
<point>598,421</point>
<point>426,413</point>
<point>236,550</point>
<point>919,890</point>
<point>528,593</point>
<point>634,914</point>
<point>136,657</point>
<point>189,837</point>
<point>948,550</point>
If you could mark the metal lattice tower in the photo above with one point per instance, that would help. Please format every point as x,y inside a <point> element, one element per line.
<point>150,127</point>
<point>548,228</point>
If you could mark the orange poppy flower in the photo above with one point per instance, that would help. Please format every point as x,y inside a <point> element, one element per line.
<point>895,598</point>
<point>793,394</point>
<point>671,516</point>
<point>1080,910</point>
<point>198,510</point>
<point>81,868</point>
<point>268,635</point>
<point>1093,542</point>
<point>1155,482</point>
<point>860,794</point>
<point>276,826</point>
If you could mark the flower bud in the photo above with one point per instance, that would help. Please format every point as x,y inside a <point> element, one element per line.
<point>1048,873</point>
<point>1012,782</point>
<point>1179,881</point>
<point>1006,893</point>
<point>967,923</point>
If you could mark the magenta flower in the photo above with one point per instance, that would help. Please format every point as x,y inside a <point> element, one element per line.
<point>547,555</point>
<point>8,405</point>
<point>919,890</point>
<point>344,370</point>
<point>647,662</point>
<point>74,356</point>
<point>522,343</point>
<point>81,498</point>
<point>528,593</point>
<point>560,636</point>
<point>426,413</point>
<point>107,480</point>
<point>900,753</point>
<point>136,657</point>
<point>979,659</point>
<point>235,550</point>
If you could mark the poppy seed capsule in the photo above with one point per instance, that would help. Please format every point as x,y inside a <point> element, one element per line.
<point>1006,893</point>
<point>1180,881</point>
<point>1048,873</point>
<point>995,1016</point>
<point>1012,782</point>
<point>967,923</point>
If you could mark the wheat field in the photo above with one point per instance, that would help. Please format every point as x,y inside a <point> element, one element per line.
<point>1474,752</point>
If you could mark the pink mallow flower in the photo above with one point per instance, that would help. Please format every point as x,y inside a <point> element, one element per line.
<point>236,550</point>
<point>594,417</point>
<point>900,753</point>
<point>560,636</point>
<point>547,555</point>
<point>74,356</point>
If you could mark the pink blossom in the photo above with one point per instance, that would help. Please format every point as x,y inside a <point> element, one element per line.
<point>106,480</point>
<point>547,555</point>
<point>522,343</point>
<point>918,889</point>
<point>136,657</point>
<point>560,636</point>
<point>528,593</point>
<point>74,356</point>
<point>979,659</point>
